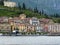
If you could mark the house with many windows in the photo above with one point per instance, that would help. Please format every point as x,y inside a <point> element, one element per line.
<point>5,27</point>
<point>34,21</point>
<point>54,28</point>
<point>24,24</point>
<point>10,4</point>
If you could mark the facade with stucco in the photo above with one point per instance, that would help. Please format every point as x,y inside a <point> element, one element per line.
<point>9,4</point>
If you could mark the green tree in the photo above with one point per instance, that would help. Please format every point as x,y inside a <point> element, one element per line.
<point>58,20</point>
<point>42,12</point>
<point>19,6</point>
<point>1,2</point>
<point>46,16</point>
<point>36,10</point>
<point>56,15</point>
<point>6,0</point>
<point>24,6</point>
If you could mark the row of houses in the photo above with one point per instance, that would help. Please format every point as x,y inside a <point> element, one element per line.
<point>24,24</point>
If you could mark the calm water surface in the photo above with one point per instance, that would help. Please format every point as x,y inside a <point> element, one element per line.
<point>30,40</point>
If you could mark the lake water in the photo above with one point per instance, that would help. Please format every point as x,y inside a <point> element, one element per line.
<point>29,40</point>
<point>49,6</point>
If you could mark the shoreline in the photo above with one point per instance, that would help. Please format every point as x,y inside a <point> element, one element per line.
<point>30,35</point>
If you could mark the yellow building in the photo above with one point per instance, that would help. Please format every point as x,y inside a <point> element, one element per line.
<point>12,26</point>
<point>22,16</point>
<point>22,28</point>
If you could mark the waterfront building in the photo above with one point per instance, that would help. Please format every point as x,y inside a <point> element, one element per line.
<point>30,28</point>
<point>29,24</point>
<point>22,27</point>
<point>54,28</point>
<point>45,28</point>
<point>34,21</point>
<point>13,26</point>
<point>38,28</point>
<point>5,27</point>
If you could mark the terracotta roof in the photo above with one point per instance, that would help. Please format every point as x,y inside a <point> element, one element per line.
<point>44,20</point>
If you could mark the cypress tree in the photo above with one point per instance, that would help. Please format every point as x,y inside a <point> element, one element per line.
<point>36,10</point>
<point>1,2</point>
<point>42,12</point>
<point>19,6</point>
<point>24,6</point>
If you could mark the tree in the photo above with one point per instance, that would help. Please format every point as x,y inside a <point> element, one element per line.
<point>58,20</point>
<point>16,29</point>
<point>46,16</point>
<point>19,6</point>
<point>56,15</point>
<point>42,12</point>
<point>1,2</point>
<point>36,10</point>
<point>6,0</point>
<point>24,6</point>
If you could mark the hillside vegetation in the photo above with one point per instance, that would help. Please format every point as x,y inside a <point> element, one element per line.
<point>7,11</point>
<point>16,11</point>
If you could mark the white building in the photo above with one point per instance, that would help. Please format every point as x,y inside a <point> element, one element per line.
<point>54,27</point>
<point>38,28</point>
<point>34,21</point>
<point>9,4</point>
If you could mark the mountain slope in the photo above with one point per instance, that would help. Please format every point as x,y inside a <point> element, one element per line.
<point>49,6</point>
